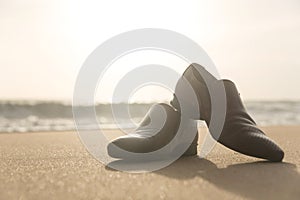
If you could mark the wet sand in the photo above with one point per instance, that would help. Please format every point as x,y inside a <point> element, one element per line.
<point>55,165</point>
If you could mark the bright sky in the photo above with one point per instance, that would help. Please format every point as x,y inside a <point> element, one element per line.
<point>253,42</point>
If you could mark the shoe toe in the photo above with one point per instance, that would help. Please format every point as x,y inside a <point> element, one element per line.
<point>123,147</point>
<point>114,150</point>
<point>268,148</point>
<point>255,144</point>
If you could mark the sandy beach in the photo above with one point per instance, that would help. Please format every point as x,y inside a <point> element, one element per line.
<point>55,165</point>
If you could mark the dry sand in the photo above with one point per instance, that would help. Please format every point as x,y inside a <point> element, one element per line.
<point>56,166</point>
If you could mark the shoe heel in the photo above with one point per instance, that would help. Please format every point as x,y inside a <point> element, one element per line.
<point>192,150</point>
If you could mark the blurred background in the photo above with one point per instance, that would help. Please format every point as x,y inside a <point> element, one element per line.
<point>44,43</point>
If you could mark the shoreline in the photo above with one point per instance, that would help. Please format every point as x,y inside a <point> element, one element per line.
<point>114,129</point>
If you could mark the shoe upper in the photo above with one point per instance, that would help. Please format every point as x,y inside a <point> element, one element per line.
<point>156,130</point>
<point>239,132</point>
<point>199,83</point>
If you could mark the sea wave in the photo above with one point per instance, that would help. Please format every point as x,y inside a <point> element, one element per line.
<point>32,116</point>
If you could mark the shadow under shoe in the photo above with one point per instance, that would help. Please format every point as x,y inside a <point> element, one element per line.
<point>156,130</point>
<point>240,132</point>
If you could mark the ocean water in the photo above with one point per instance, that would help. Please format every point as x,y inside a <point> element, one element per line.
<point>31,116</point>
